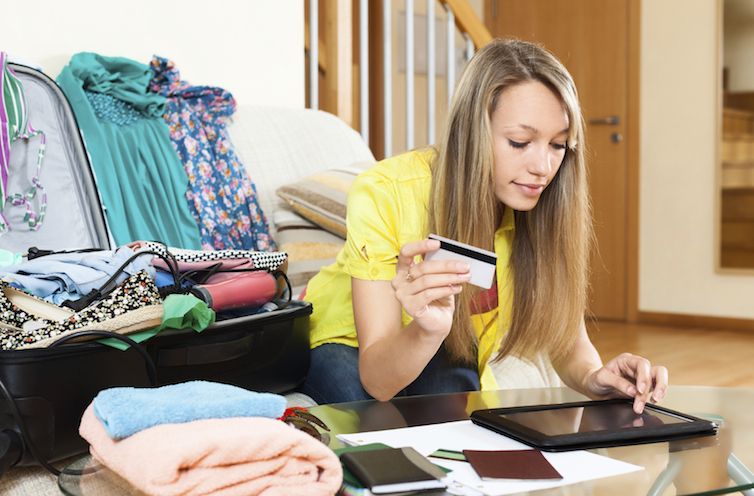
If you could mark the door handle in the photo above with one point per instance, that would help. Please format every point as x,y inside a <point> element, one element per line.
<point>610,120</point>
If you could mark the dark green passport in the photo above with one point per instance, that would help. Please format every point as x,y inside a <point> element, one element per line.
<point>351,479</point>
<point>390,470</point>
<point>348,477</point>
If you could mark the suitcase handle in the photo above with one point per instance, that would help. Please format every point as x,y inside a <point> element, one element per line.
<point>151,369</point>
<point>205,354</point>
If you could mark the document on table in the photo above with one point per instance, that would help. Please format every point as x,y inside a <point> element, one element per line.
<point>574,466</point>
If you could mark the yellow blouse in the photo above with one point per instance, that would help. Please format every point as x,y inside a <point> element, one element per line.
<point>387,208</point>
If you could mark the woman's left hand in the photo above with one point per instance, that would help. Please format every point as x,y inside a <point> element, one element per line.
<point>629,376</point>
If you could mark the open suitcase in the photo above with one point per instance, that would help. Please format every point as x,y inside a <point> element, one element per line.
<point>44,391</point>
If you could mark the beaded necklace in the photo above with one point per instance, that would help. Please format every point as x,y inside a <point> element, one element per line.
<point>14,125</point>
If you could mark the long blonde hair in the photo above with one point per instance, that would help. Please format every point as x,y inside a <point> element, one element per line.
<point>552,242</point>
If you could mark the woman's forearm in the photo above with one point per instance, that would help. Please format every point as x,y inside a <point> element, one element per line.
<point>583,360</point>
<point>388,365</point>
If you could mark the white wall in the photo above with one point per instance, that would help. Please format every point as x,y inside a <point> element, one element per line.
<point>252,48</point>
<point>678,133</point>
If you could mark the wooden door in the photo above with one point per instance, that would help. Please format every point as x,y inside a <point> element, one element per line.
<point>591,38</point>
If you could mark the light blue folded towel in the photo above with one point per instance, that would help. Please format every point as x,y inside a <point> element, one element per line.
<point>124,411</point>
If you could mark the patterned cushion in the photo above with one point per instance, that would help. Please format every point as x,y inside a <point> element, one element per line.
<point>321,197</point>
<point>309,247</point>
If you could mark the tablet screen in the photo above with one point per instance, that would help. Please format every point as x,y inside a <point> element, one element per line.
<point>591,418</point>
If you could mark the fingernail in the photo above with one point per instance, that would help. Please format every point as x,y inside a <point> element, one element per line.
<point>631,391</point>
<point>463,266</point>
<point>660,393</point>
<point>640,388</point>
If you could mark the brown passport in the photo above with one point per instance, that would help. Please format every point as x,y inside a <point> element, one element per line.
<point>514,464</point>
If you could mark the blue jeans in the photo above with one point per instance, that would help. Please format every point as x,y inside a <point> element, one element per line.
<point>334,376</point>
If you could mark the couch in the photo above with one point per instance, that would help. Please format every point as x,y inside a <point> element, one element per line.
<point>279,147</point>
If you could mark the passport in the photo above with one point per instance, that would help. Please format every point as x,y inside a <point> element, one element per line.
<point>390,470</point>
<point>512,464</point>
<point>348,477</point>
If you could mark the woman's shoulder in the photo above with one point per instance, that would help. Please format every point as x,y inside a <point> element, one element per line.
<point>414,165</point>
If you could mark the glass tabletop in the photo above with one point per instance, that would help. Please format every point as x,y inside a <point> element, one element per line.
<point>707,465</point>
<point>87,476</point>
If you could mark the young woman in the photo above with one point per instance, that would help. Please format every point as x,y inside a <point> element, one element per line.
<point>509,177</point>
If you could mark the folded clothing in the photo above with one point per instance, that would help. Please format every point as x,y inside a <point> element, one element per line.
<point>219,457</point>
<point>217,265</point>
<point>71,275</point>
<point>124,411</point>
<point>179,312</point>
<point>195,259</point>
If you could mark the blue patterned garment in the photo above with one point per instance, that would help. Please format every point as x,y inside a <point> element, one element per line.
<point>221,196</point>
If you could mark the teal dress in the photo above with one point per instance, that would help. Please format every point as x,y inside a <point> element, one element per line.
<point>141,180</point>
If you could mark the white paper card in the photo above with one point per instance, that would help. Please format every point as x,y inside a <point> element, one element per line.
<point>481,262</point>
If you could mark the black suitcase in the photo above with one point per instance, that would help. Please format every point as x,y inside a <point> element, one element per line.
<point>51,387</point>
<point>43,392</point>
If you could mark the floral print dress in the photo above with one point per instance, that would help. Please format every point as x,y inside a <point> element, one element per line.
<point>221,196</point>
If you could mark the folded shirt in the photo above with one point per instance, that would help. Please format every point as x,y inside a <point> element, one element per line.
<point>228,457</point>
<point>124,411</point>
<point>69,276</point>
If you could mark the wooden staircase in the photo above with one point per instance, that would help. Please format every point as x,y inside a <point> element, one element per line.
<point>737,185</point>
<point>357,73</point>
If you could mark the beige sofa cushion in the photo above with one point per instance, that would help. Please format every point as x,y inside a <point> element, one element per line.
<point>321,197</point>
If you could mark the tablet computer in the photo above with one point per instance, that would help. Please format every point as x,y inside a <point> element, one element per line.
<point>591,424</point>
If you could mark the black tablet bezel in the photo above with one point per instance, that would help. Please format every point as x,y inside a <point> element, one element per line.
<point>693,426</point>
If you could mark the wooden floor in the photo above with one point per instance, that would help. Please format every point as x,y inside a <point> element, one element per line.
<point>692,356</point>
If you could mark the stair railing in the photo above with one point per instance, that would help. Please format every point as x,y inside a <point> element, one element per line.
<point>331,61</point>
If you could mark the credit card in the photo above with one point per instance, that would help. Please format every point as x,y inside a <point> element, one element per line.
<point>448,455</point>
<point>482,262</point>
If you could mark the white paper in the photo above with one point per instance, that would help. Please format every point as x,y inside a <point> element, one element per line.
<point>574,466</point>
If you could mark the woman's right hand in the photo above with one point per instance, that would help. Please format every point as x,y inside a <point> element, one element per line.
<point>426,290</point>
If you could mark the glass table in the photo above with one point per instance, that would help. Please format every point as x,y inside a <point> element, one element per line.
<point>706,465</point>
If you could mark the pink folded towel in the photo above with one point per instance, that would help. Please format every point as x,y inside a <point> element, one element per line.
<point>221,457</point>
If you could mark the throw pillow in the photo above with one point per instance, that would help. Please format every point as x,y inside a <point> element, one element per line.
<point>321,197</point>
